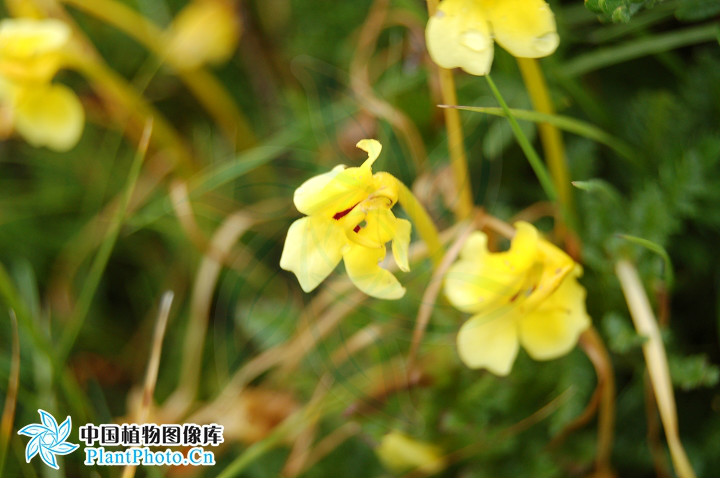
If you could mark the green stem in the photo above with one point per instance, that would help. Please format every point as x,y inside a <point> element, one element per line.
<point>532,156</point>
<point>422,222</point>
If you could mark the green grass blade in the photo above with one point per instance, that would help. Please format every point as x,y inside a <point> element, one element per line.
<point>565,123</point>
<point>219,175</point>
<point>535,162</point>
<point>103,255</point>
<point>604,57</point>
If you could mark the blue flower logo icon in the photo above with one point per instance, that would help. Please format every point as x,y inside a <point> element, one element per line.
<point>48,439</point>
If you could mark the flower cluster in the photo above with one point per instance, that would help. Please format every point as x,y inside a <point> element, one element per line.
<point>43,113</point>
<point>527,295</point>
<point>349,217</point>
<point>461,32</point>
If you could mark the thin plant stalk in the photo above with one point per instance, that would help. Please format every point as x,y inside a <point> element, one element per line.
<point>429,298</point>
<point>593,346</point>
<point>152,367</point>
<point>8,415</point>
<point>458,158</point>
<point>550,136</point>
<point>656,360</point>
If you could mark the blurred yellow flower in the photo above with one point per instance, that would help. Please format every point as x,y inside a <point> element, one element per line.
<point>528,295</point>
<point>400,453</point>
<point>461,32</point>
<point>44,114</point>
<point>205,31</point>
<point>348,217</point>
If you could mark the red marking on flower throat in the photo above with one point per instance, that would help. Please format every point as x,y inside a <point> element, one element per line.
<point>341,214</point>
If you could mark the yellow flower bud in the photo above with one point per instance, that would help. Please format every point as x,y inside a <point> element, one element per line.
<point>400,453</point>
<point>205,31</point>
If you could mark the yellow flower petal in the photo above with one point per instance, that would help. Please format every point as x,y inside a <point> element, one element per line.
<point>380,227</point>
<point>313,248</point>
<point>489,341</point>
<point>49,115</point>
<point>385,185</point>
<point>30,49</point>
<point>525,28</point>
<point>458,35</point>
<point>553,328</point>
<point>401,244</point>
<point>205,31</point>
<point>400,453</point>
<point>308,195</point>
<point>484,282</point>
<point>343,191</point>
<point>362,266</point>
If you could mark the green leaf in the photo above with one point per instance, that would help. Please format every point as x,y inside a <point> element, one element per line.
<point>604,57</point>
<point>693,371</point>
<point>622,337</point>
<point>697,10</point>
<point>599,187</point>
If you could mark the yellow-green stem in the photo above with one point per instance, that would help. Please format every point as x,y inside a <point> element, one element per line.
<point>550,136</point>
<point>204,86</point>
<point>422,222</point>
<point>656,361</point>
<point>458,159</point>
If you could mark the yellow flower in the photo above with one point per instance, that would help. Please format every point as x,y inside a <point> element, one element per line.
<point>205,31</point>
<point>43,113</point>
<point>349,218</point>
<point>400,453</point>
<point>461,32</point>
<point>30,50</point>
<point>528,295</point>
